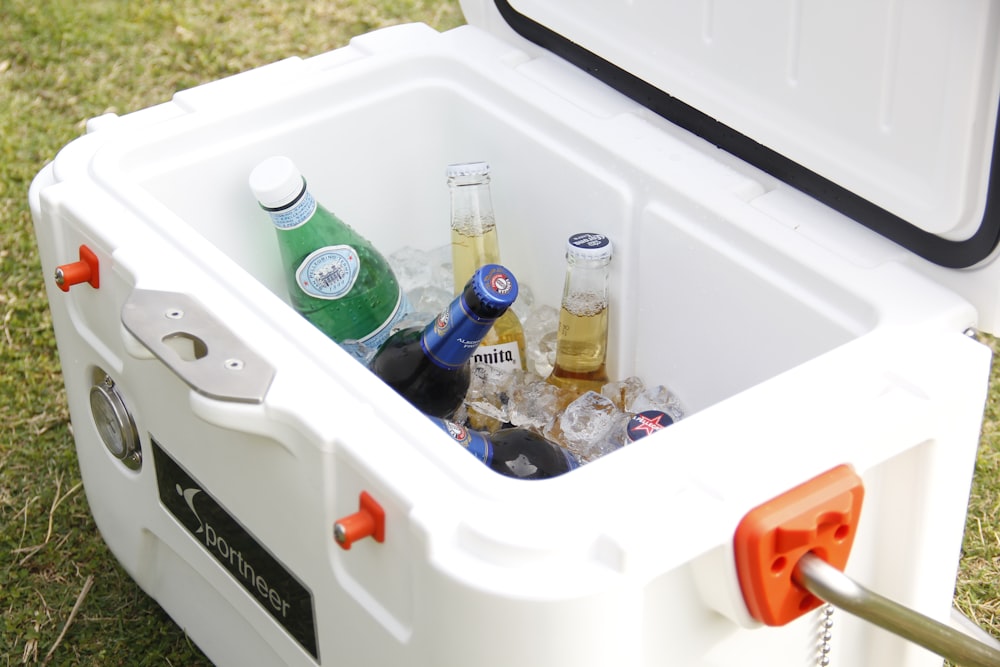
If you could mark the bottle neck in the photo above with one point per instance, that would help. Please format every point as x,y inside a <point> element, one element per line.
<point>581,346</point>
<point>453,337</point>
<point>295,213</point>
<point>586,277</point>
<point>473,228</point>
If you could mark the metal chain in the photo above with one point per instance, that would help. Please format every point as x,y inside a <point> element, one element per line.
<point>825,636</point>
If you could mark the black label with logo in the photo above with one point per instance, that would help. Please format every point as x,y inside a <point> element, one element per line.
<point>261,574</point>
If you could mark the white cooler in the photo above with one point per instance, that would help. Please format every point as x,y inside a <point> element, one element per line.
<point>805,218</point>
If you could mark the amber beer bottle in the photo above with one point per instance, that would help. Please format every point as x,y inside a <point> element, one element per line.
<point>582,336</point>
<point>474,242</point>
<point>429,366</point>
<point>336,279</point>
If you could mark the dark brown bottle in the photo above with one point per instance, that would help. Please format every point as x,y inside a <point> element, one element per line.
<point>429,367</point>
<point>514,452</point>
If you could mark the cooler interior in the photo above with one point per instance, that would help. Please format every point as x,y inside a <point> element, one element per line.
<point>704,299</point>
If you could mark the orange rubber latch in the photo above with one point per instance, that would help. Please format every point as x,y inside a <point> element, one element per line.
<point>368,521</point>
<point>86,270</point>
<point>819,516</point>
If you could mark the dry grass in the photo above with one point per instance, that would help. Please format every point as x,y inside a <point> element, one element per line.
<point>63,597</point>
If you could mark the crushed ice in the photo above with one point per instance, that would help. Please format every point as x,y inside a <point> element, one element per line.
<point>591,426</point>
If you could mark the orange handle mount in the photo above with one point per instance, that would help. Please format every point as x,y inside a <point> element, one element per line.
<point>818,517</point>
<point>86,270</point>
<point>368,521</point>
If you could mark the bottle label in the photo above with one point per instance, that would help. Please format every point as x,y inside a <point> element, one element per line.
<point>505,356</point>
<point>296,215</point>
<point>364,348</point>
<point>571,461</point>
<point>328,273</point>
<point>451,339</point>
<point>473,441</point>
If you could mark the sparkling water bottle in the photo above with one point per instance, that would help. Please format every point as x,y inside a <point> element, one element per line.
<point>474,243</point>
<point>514,452</point>
<point>582,337</point>
<point>429,366</point>
<point>336,279</point>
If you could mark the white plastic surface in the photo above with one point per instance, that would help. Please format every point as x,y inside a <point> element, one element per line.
<point>896,101</point>
<point>795,351</point>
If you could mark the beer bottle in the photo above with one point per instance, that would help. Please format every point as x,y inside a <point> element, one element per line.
<point>582,336</point>
<point>429,366</point>
<point>474,242</point>
<point>336,279</point>
<point>514,452</point>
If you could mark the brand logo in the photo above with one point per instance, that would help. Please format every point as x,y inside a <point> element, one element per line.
<point>589,240</point>
<point>329,273</point>
<point>264,578</point>
<point>498,356</point>
<point>442,322</point>
<point>500,282</point>
<point>647,422</point>
<point>458,432</point>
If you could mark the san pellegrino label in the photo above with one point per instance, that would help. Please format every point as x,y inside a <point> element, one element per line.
<point>376,338</point>
<point>329,272</point>
<point>295,215</point>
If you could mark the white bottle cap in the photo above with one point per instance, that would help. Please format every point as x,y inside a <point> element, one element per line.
<point>468,169</point>
<point>589,246</point>
<point>276,182</point>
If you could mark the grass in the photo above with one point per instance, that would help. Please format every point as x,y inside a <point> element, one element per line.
<point>62,62</point>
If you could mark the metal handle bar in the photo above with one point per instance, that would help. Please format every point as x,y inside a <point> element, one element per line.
<point>831,585</point>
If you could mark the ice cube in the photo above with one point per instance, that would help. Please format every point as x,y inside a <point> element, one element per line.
<point>585,426</point>
<point>428,301</point>
<point>658,398</point>
<point>535,404</point>
<point>442,273</point>
<point>624,392</point>
<point>489,394</point>
<point>540,338</point>
<point>411,268</point>
<point>525,301</point>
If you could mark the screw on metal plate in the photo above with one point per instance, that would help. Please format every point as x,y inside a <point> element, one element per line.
<point>197,346</point>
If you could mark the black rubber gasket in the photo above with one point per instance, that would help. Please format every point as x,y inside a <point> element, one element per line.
<point>941,251</point>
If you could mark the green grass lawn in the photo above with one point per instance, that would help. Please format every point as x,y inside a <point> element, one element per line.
<point>62,62</point>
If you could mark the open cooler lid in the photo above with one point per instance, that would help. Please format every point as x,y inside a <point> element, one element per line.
<point>885,111</point>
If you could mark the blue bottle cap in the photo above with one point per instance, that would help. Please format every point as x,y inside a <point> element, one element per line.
<point>495,286</point>
<point>647,422</point>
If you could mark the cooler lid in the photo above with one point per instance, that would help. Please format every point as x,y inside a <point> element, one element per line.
<point>885,110</point>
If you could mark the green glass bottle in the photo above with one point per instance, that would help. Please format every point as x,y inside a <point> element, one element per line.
<point>336,279</point>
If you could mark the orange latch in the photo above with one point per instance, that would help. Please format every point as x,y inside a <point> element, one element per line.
<point>819,516</point>
<point>86,270</point>
<point>369,520</point>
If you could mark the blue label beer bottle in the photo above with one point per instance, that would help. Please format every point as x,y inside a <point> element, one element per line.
<point>429,366</point>
<point>514,452</point>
